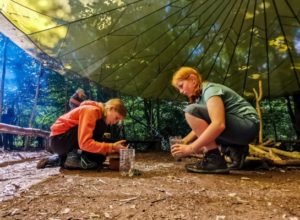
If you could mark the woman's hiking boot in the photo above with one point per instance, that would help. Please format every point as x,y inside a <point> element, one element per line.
<point>50,161</point>
<point>237,154</point>
<point>77,161</point>
<point>213,162</point>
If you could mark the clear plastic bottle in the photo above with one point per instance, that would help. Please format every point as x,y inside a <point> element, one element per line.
<point>127,157</point>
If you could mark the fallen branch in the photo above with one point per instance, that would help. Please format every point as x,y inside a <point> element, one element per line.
<point>293,154</point>
<point>270,155</point>
<point>11,129</point>
<point>271,142</point>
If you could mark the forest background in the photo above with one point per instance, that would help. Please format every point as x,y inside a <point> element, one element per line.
<point>38,95</point>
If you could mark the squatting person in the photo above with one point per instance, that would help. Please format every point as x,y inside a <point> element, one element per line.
<point>219,119</point>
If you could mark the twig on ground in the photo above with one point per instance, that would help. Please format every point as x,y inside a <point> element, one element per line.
<point>158,200</point>
<point>129,199</point>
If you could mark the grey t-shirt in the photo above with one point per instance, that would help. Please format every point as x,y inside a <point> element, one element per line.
<point>233,102</point>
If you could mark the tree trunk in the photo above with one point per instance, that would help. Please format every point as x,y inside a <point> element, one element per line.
<point>149,115</point>
<point>66,95</point>
<point>291,113</point>
<point>158,115</point>
<point>296,98</point>
<point>37,91</point>
<point>91,94</point>
<point>88,91</point>
<point>3,76</point>
<point>33,112</point>
<point>272,121</point>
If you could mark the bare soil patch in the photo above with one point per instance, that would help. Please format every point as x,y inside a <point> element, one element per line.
<point>164,190</point>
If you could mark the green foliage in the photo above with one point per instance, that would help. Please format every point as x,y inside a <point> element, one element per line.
<point>167,119</point>
<point>276,120</point>
<point>147,119</point>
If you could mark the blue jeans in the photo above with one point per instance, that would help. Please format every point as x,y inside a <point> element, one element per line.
<point>238,130</point>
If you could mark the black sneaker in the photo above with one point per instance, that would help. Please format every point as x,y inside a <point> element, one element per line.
<point>237,155</point>
<point>51,161</point>
<point>76,161</point>
<point>213,162</point>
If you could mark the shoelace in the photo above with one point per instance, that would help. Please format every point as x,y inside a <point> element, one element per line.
<point>87,164</point>
<point>83,163</point>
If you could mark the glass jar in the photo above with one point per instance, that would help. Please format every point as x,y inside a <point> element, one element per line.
<point>127,157</point>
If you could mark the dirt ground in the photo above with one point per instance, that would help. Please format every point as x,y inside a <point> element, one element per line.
<point>164,190</point>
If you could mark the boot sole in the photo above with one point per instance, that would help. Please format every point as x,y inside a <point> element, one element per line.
<point>41,164</point>
<point>47,162</point>
<point>191,168</point>
<point>78,166</point>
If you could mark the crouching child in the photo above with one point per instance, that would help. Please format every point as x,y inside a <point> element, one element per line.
<point>76,137</point>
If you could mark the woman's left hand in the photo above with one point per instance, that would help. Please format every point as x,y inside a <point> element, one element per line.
<point>181,150</point>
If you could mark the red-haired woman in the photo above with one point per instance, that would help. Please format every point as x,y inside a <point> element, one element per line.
<point>219,118</point>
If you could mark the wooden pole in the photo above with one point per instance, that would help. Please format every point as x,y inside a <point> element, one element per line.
<point>258,97</point>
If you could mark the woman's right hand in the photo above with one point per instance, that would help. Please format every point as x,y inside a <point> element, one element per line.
<point>117,146</point>
<point>181,150</point>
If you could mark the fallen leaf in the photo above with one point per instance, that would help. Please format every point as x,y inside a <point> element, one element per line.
<point>107,215</point>
<point>245,178</point>
<point>102,181</point>
<point>65,211</point>
<point>14,212</point>
<point>69,180</point>
<point>93,215</point>
<point>241,200</point>
<point>232,194</point>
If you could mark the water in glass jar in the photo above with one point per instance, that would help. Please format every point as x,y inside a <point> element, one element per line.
<point>127,157</point>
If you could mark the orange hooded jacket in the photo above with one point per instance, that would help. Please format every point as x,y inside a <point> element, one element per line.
<point>85,116</point>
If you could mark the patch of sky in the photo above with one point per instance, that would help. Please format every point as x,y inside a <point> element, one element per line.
<point>196,52</point>
<point>297,41</point>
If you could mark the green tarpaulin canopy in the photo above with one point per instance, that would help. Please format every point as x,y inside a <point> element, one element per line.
<point>134,46</point>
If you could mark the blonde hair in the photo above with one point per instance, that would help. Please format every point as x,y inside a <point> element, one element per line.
<point>183,73</point>
<point>118,105</point>
<point>80,90</point>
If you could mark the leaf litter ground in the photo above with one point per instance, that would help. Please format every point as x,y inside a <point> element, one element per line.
<point>164,190</point>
